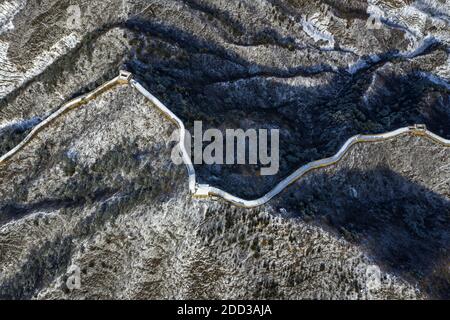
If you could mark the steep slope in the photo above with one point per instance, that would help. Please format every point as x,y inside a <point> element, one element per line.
<point>97,188</point>
<point>105,197</point>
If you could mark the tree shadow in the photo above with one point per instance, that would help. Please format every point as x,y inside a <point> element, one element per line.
<point>402,225</point>
<point>204,81</point>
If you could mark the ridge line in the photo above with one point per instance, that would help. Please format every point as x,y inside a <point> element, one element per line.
<point>207,191</point>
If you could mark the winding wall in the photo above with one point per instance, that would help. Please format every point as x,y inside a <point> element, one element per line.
<point>205,191</point>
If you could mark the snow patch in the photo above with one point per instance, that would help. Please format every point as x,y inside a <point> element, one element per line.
<point>435,79</point>
<point>11,78</point>
<point>316,27</point>
<point>363,63</point>
<point>8,10</point>
<point>415,19</point>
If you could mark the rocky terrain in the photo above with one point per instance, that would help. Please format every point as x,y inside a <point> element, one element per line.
<point>97,192</point>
